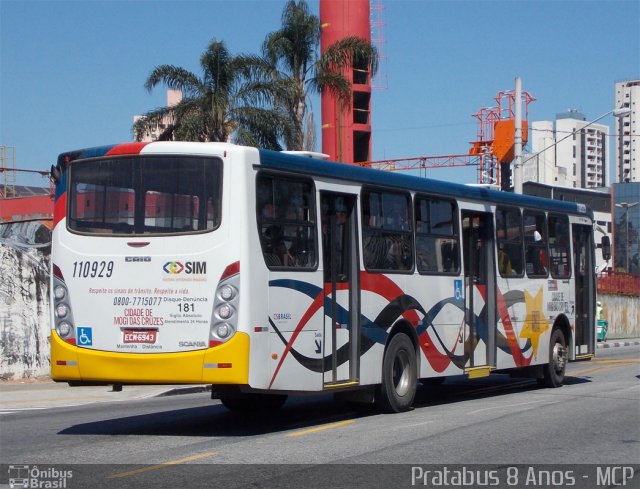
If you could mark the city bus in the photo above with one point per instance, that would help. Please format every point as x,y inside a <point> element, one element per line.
<point>267,274</point>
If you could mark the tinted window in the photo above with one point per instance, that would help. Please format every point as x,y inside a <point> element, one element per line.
<point>145,195</point>
<point>436,239</point>
<point>535,239</point>
<point>559,246</point>
<point>286,222</point>
<point>386,231</point>
<point>509,242</point>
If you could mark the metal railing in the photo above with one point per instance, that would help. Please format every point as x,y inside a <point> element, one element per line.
<point>619,283</point>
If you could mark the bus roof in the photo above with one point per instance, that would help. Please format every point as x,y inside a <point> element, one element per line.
<point>324,168</point>
<point>329,169</point>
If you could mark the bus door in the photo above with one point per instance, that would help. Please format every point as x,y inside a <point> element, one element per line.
<point>480,293</point>
<point>341,305</point>
<point>583,265</point>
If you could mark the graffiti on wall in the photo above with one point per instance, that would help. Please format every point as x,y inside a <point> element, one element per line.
<point>24,300</point>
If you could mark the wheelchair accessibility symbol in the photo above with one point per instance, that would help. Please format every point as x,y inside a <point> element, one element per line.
<point>85,336</point>
<point>457,289</point>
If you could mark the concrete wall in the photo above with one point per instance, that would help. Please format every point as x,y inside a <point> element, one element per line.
<point>623,314</point>
<point>24,300</point>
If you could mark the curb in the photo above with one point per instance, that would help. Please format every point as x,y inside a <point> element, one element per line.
<point>618,343</point>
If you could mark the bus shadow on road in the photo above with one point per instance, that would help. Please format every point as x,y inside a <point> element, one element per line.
<point>297,414</point>
<point>216,421</point>
<point>568,380</point>
<point>460,388</point>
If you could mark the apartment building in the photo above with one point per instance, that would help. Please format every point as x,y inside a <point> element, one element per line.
<point>627,131</point>
<point>570,152</point>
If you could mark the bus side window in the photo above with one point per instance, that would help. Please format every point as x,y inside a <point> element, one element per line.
<point>509,242</point>
<point>559,246</point>
<point>436,236</point>
<point>535,238</point>
<point>387,235</point>
<point>286,222</point>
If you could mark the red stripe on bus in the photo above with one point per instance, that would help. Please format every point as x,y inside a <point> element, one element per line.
<point>317,303</point>
<point>230,271</point>
<point>59,209</point>
<point>126,149</point>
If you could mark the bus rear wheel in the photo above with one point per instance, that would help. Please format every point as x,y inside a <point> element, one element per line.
<point>399,376</point>
<point>554,371</point>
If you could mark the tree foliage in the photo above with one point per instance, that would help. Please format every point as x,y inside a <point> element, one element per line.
<point>260,101</point>
<point>229,98</point>
<point>297,69</point>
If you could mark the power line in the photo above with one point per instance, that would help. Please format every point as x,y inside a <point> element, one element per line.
<point>432,126</point>
<point>571,132</point>
<point>44,173</point>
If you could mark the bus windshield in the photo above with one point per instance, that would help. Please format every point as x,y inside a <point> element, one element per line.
<point>145,195</point>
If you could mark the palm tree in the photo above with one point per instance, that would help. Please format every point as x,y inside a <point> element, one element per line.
<point>297,70</point>
<point>229,99</point>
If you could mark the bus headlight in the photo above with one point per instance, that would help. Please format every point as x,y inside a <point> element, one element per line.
<point>225,311</point>
<point>227,292</point>
<point>59,292</point>
<point>223,330</point>
<point>62,310</point>
<point>64,329</point>
<point>224,316</point>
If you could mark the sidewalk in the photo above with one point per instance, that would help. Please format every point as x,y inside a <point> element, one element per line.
<point>42,394</point>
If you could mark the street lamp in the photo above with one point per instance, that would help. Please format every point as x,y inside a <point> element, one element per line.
<point>627,206</point>
<point>517,167</point>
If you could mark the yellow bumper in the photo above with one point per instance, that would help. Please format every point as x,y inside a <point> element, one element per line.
<point>225,364</point>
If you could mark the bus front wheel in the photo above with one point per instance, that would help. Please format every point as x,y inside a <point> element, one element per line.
<point>399,376</point>
<point>554,371</point>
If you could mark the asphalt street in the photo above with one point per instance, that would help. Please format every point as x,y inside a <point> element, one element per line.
<point>484,423</point>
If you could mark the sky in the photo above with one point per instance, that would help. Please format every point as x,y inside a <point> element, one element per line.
<point>72,73</point>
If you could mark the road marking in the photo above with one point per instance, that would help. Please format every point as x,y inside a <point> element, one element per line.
<point>321,428</point>
<point>620,360</point>
<point>163,465</point>
<point>18,410</point>
<point>584,371</point>
<point>413,425</point>
<point>505,406</point>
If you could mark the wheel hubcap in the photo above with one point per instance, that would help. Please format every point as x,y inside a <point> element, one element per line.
<point>401,373</point>
<point>559,357</point>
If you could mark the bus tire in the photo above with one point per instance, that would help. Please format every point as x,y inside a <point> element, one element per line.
<point>253,403</point>
<point>399,376</point>
<point>554,371</point>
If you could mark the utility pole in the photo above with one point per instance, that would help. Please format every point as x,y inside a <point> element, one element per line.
<point>517,140</point>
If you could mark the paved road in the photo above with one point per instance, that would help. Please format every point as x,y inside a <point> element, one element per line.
<point>593,419</point>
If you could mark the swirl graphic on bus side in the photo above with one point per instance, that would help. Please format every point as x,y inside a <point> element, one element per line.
<point>401,304</point>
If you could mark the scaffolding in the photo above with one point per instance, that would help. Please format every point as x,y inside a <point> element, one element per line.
<point>491,151</point>
<point>494,143</point>
<point>379,81</point>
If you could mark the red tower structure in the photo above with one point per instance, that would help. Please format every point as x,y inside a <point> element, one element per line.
<point>346,128</point>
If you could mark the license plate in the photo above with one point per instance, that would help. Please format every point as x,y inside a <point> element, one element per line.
<point>133,336</point>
